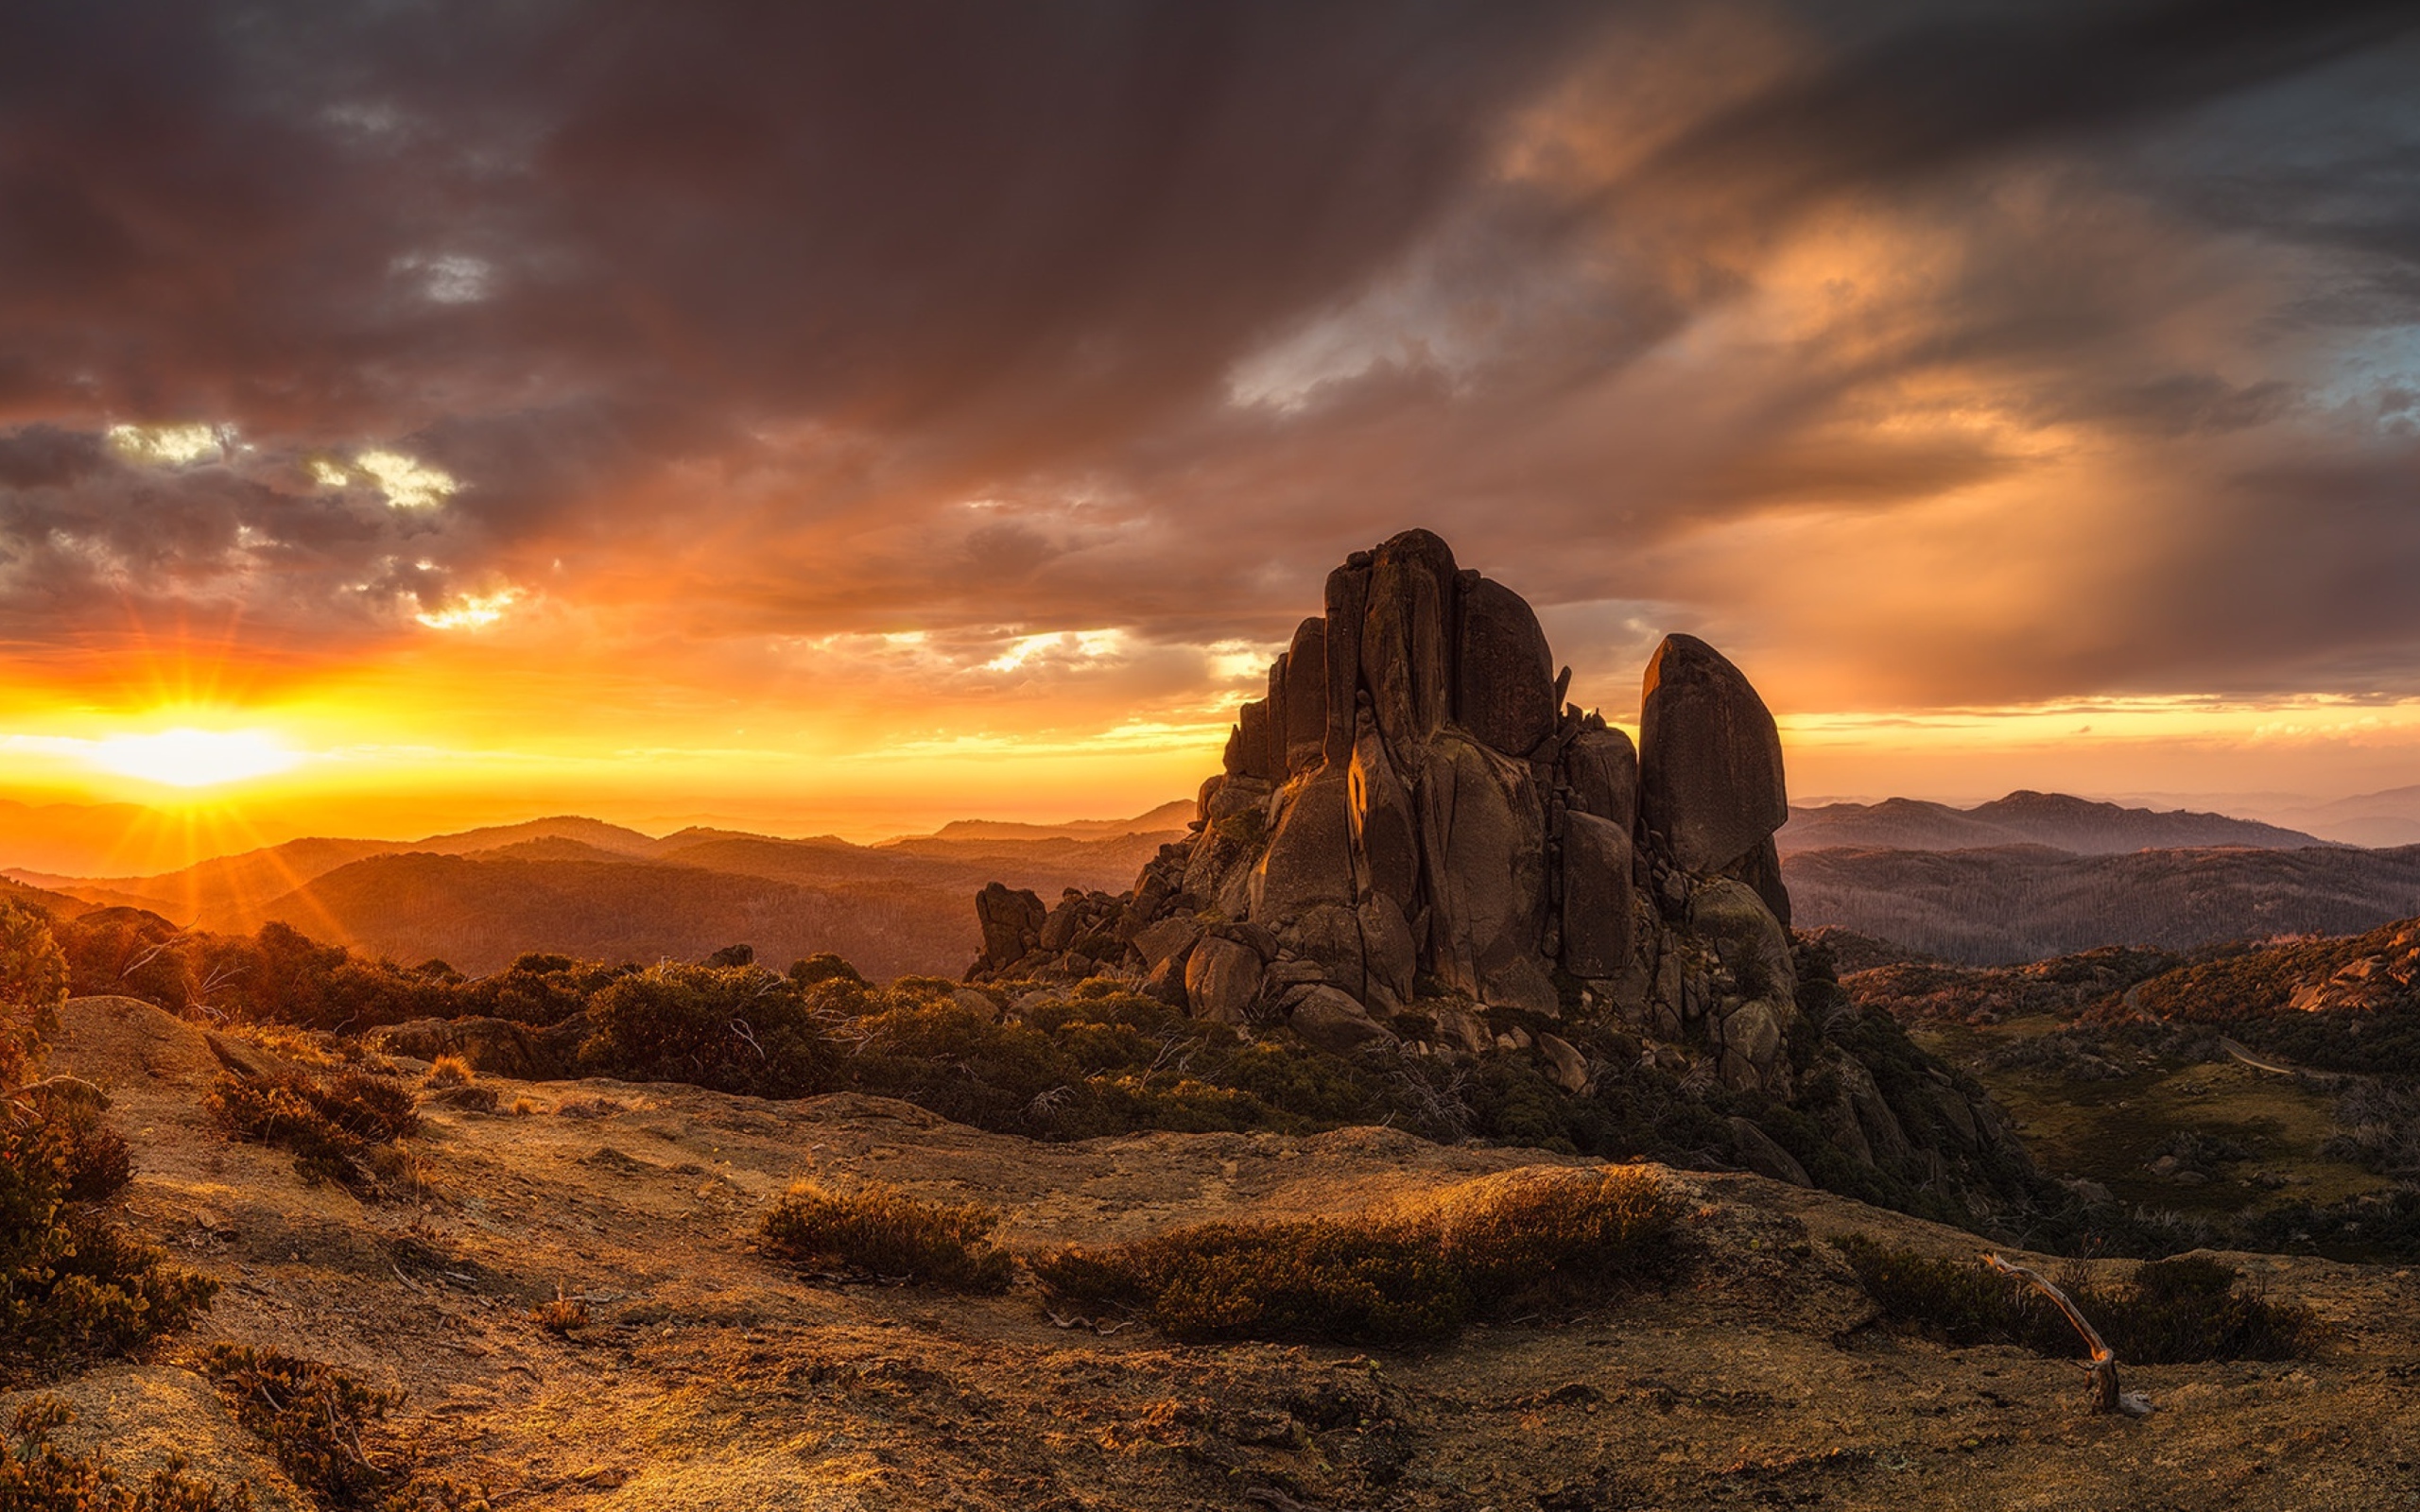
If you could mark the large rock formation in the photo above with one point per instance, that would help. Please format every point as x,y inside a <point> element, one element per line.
<point>1413,815</point>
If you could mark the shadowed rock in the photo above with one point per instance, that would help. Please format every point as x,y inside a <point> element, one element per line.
<point>1483,835</point>
<point>1408,638</point>
<point>1251,742</point>
<point>1011,920</point>
<point>1310,855</point>
<point>1307,696</point>
<point>1597,913</point>
<point>1504,683</point>
<point>1222,979</point>
<point>1602,768</point>
<point>1710,778</point>
<point>1348,597</point>
<point>1386,827</point>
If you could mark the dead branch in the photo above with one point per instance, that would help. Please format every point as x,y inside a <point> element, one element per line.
<point>2102,1368</point>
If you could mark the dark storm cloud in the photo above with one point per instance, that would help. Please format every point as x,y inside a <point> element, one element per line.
<point>731,312</point>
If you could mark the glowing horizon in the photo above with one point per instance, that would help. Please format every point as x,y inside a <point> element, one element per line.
<point>532,447</point>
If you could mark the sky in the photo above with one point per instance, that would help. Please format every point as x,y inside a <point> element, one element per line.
<point>849,418</point>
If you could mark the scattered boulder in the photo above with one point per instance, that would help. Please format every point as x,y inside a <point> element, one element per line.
<point>1758,1153</point>
<point>1334,1020</point>
<point>1011,922</point>
<point>1223,980</point>
<point>1565,1064</point>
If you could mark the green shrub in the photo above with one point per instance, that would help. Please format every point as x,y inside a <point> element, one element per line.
<point>879,1231</point>
<point>337,1127</point>
<point>1381,1280</point>
<point>2169,1311</point>
<point>312,1415</point>
<point>36,1475</point>
<point>730,1029</point>
<point>33,983</point>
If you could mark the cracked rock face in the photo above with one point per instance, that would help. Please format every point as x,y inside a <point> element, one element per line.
<point>1412,811</point>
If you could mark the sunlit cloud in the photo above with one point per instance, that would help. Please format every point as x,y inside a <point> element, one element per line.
<point>470,610</point>
<point>168,445</point>
<point>409,484</point>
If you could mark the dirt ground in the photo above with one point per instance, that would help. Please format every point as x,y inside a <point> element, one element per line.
<point>713,1379</point>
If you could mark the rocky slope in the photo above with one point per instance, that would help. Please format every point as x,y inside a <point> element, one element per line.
<point>1416,844</point>
<point>712,1378</point>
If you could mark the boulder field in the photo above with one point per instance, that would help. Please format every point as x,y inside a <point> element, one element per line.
<point>1417,843</point>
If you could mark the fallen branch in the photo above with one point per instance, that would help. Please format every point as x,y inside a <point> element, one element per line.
<point>2102,1368</point>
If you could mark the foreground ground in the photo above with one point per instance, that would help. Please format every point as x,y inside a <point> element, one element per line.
<point>712,1378</point>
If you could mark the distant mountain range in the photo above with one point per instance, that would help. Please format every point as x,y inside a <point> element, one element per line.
<point>2011,903</point>
<point>2053,820</point>
<point>478,898</point>
<point>2027,876</point>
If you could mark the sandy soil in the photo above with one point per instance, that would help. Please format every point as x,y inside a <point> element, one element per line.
<point>714,1378</point>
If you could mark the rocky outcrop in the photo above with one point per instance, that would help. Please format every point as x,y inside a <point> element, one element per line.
<point>1417,847</point>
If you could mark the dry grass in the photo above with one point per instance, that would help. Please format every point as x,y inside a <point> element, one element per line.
<point>340,1129</point>
<point>880,1233</point>
<point>36,1475</point>
<point>1538,1247</point>
<point>313,1418</point>
<point>562,1316</point>
<point>2169,1311</point>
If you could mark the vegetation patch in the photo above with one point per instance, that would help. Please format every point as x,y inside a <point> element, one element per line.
<point>2168,1312</point>
<point>314,1417</point>
<point>340,1129</point>
<point>1376,1279</point>
<point>36,1475</point>
<point>72,1285</point>
<point>880,1233</point>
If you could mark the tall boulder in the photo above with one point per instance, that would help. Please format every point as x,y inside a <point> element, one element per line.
<point>1483,841</point>
<point>1251,743</point>
<point>1347,599</point>
<point>1602,768</point>
<point>1710,778</point>
<point>1504,684</point>
<point>1309,858</point>
<point>1386,827</point>
<point>1597,913</point>
<point>1306,663</point>
<point>1408,638</point>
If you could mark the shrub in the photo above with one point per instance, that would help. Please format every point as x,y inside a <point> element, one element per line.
<point>33,983</point>
<point>732,1029</point>
<point>335,1127</point>
<point>2169,1311</point>
<point>880,1231</point>
<point>36,1475</point>
<point>1381,1280</point>
<point>312,1415</point>
<point>561,1315</point>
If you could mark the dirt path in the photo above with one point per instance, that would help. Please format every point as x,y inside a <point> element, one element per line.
<point>713,1379</point>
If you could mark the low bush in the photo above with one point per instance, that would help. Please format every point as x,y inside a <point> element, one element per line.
<point>2168,1312</point>
<point>36,1475</point>
<point>312,1417</point>
<point>880,1233</point>
<point>337,1127</point>
<point>1377,1280</point>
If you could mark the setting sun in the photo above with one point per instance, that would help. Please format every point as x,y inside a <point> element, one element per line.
<point>194,758</point>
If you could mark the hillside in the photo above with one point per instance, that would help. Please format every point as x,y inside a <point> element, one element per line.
<point>478,898</point>
<point>2052,819</point>
<point>2018,904</point>
<point>478,914</point>
<point>712,1378</point>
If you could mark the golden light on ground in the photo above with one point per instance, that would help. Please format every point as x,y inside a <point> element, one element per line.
<point>185,757</point>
